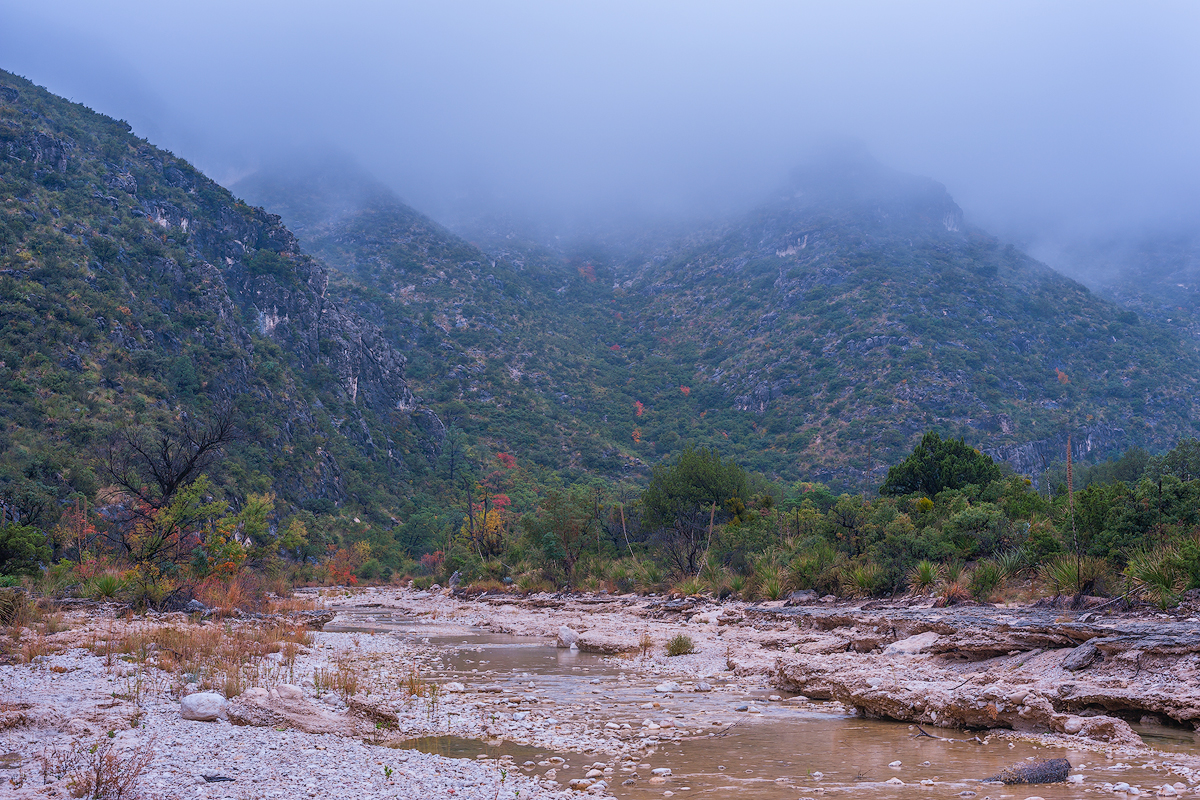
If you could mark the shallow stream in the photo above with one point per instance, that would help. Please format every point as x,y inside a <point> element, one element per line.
<point>777,749</point>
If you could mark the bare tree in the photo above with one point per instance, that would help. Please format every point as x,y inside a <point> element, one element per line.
<point>152,464</point>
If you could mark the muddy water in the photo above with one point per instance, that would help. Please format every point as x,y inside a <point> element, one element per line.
<point>775,750</point>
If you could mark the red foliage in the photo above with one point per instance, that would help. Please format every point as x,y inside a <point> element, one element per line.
<point>686,390</point>
<point>432,562</point>
<point>507,460</point>
<point>615,347</point>
<point>638,408</point>
<point>588,272</point>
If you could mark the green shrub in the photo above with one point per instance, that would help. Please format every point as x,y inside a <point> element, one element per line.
<point>23,549</point>
<point>680,645</point>
<point>986,578</point>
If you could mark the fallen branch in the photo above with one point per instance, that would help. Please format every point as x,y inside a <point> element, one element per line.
<point>929,735</point>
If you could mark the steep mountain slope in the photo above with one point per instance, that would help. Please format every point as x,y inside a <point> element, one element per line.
<point>135,291</point>
<point>1156,274</point>
<point>817,337</point>
<point>502,345</point>
<point>835,324</point>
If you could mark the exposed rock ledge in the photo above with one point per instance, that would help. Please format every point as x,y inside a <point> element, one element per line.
<point>986,668</point>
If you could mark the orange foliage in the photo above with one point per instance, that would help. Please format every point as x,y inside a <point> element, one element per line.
<point>638,408</point>
<point>686,390</point>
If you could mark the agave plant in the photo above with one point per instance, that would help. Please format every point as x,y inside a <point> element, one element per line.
<point>924,577</point>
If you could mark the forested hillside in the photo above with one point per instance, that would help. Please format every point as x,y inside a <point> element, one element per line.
<point>139,300</point>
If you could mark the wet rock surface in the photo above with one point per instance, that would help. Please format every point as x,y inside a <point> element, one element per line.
<point>1053,770</point>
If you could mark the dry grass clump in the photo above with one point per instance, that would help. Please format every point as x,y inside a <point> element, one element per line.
<point>103,772</point>
<point>344,679</point>
<point>218,657</point>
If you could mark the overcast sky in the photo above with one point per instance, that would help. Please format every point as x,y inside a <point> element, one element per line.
<point>1041,118</point>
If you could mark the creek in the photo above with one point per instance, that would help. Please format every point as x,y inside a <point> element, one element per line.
<point>739,737</point>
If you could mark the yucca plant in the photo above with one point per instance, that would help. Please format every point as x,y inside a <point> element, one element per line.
<point>1070,574</point>
<point>1155,574</point>
<point>104,586</point>
<point>923,577</point>
<point>1012,562</point>
<point>770,587</point>
<point>985,579</point>
<point>710,573</point>
<point>862,580</point>
<point>952,571</point>
<point>650,578</point>
<point>689,586</point>
<point>622,578</point>
<point>737,583</point>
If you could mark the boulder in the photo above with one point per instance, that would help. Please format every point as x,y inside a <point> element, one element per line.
<point>668,687</point>
<point>566,636</point>
<point>912,645</point>
<point>1052,770</point>
<point>202,706</point>
<point>276,709</point>
<point>1081,657</point>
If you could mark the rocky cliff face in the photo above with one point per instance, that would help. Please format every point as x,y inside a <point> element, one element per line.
<point>192,293</point>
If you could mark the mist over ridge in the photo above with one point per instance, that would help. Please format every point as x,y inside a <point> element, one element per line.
<point>1047,125</point>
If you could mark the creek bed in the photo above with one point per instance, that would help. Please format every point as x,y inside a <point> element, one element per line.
<point>786,750</point>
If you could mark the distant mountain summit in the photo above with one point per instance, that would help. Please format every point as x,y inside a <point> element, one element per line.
<point>847,180</point>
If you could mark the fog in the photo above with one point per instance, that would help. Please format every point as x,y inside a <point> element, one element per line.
<point>1047,122</point>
